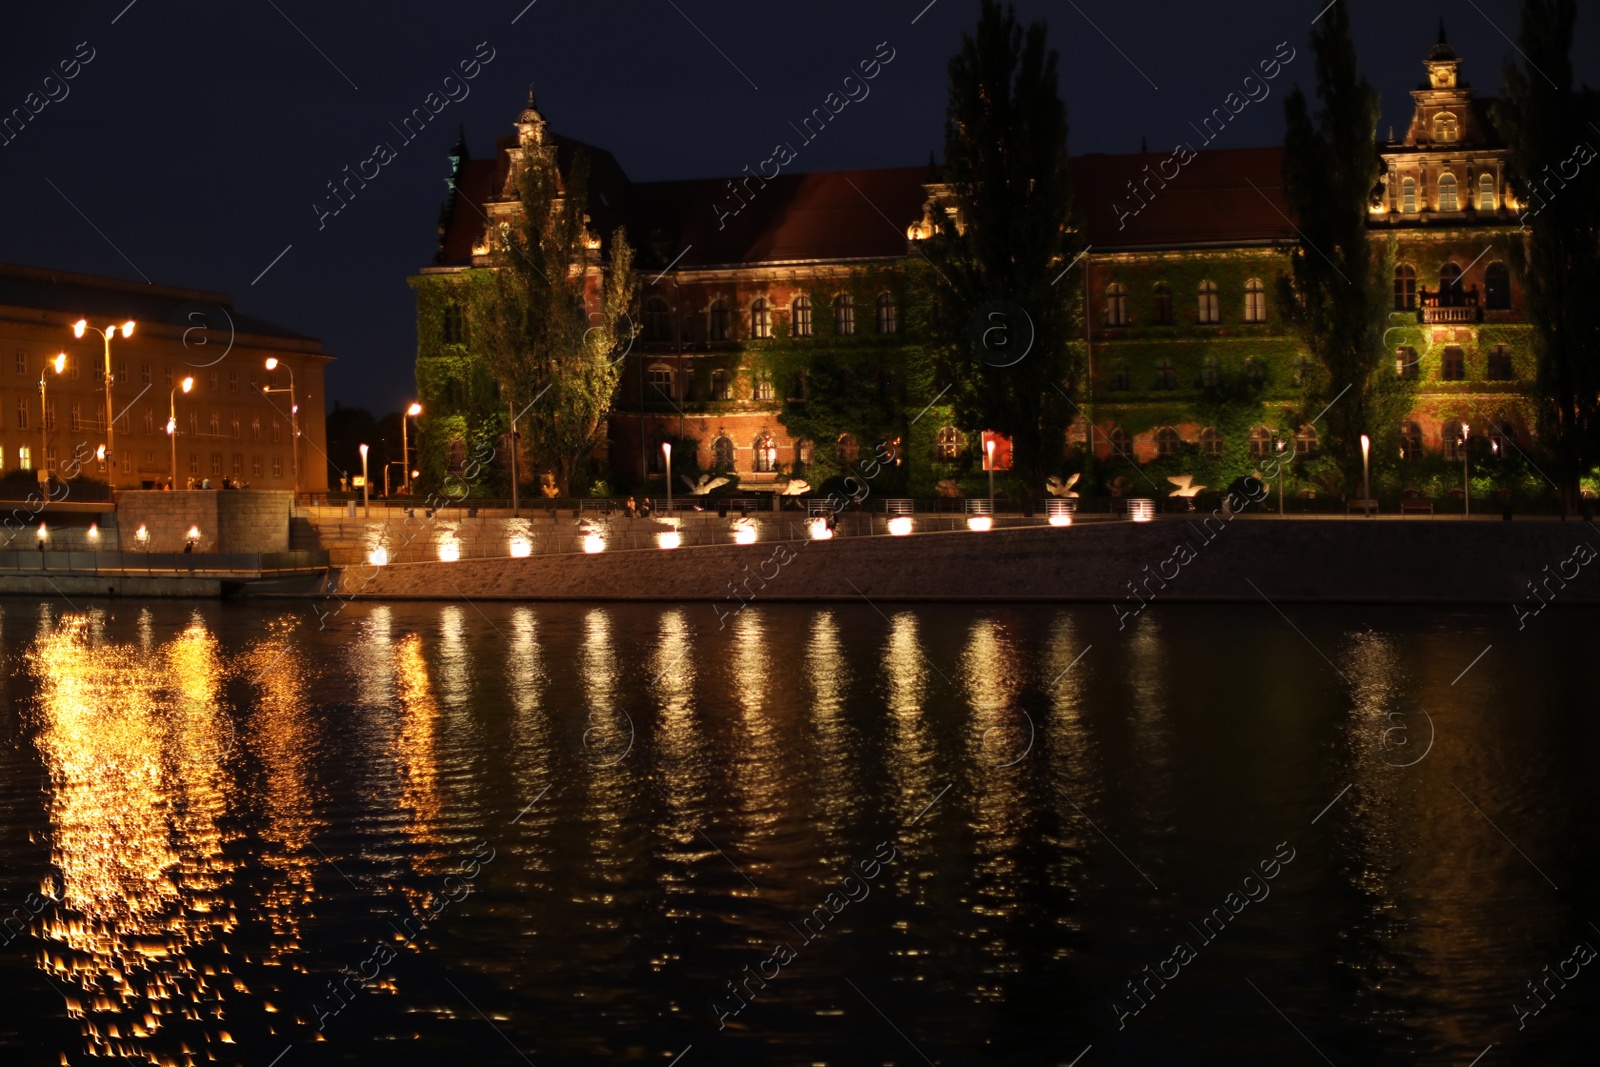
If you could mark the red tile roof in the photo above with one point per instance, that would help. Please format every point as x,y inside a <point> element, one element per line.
<point>1210,200</point>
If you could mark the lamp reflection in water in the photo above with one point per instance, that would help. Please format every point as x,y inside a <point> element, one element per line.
<point>133,744</point>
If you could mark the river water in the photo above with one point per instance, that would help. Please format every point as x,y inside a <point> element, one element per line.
<point>857,834</point>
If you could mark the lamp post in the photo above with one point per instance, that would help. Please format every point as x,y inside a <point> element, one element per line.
<point>366,511</point>
<point>1466,476</point>
<point>172,423</point>
<point>666,450</point>
<point>1281,446</point>
<point>405,450</point>
<point>1366,481</point>
<point>108,333</point>
<point>59,364</point>
<point>988,461</point>
<point>294,420</point>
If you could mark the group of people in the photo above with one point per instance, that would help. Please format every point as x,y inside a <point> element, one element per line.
<point>636,510</point>
<point>204,483</point>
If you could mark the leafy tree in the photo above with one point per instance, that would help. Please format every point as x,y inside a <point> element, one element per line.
<point>1008,245</point>
<point>1546,127</point>
<point>1330,174</point>
<point>528,317</point>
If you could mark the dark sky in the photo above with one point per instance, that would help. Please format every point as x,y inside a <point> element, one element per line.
<point>201,134</point>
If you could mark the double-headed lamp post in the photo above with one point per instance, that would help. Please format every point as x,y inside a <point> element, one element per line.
<point>405,449</point>
<point>366,510</point>
<point>666,450</point>
<point>1466,475</point>
<point>1366,480</point>
<point>294,419</point>
<point>58,364</point>
<point>172,423</point>
<point>78,329</point>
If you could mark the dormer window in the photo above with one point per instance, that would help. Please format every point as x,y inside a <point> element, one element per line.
<point>1445,128</point>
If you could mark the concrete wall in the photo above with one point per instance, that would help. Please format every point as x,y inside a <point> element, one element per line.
<point>1376,561</point>
<point>252,520</point>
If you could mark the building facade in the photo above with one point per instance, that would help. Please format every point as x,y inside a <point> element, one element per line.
<point>774,341</point>
<point>236,421</point>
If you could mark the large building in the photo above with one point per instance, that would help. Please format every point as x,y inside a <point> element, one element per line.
<point>235,422</point>
<point>773,312</point>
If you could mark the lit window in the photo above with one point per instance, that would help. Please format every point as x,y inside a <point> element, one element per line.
<point>887,314</point>
<point>1454,367</point>
<point>1116,304</point>
<point>1211,443</point>
<point>802,316</point>
<point>949,442</point>
<point>25,458</point>
<point>1210,309</point>
<point>722,456</point>
<point>1166,442</point>
<point>719,320</point>
<point>1408,195</point>
<point>1447,193</point>
<point>1255,301</point>
<point>660,382</point>
<point>1445,127</point>
<point>1306,442</point>
<point>763,386</point>
<point>844,315</point>
<point>1405,362</point>
<point>1163,303</point>
<point>1450,435</point>
<point>1405,288</point>
<point>1260,443</point>
<point>766,454</point>
<point>1410,441</point>
<point>1486,192</point>
<point>760,318</point>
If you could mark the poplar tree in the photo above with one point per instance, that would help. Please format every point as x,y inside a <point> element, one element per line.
<point>1550,132</point>
<point>1007,245</point>
<point>554,362</point>
<point>1330,176</point>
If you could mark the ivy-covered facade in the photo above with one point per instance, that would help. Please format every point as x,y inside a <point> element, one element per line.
<point>778,340</point>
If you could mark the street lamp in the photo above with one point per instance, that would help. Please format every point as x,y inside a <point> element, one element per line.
<point>405,451</point>
<point>988,461</point>
<point>1280,445</point>
<point>294,419</point>
<point>666,450</point>
<point>59,364</point>
<point>365,508</point>
<point>108,333</point>
<point>1466,477</point>
<point>172,423</point>
<point>1366,480</point>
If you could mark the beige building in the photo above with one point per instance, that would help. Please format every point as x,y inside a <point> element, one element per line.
<point>236,422</point>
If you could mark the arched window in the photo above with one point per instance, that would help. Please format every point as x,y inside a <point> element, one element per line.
<point>844,315</point>
<point>762,385</point>
<point>760,318</point>
<point>1121,443</point>
<point>1255,301</point>
<point>1116,304</point>
<point>1445,127</point>
<point>766,453</point>
<point>1210,373</point>
<point>1451,440</point>
<point>949,443</point>
<point>1405,287</point>
<point>1211,443</point>
<point>660,382</point>
<point>1496,286</point>
<point>1410,441</point>
<point>1302,369</point>
<point>1306,441</point>
<point>1260,443</point>
<point>722,454</point>
<point>719,320</point>
<point>1451,294</point>
<point>801,314</point>
<point>1210,309</point>
<point>1166,377</point>
<point>1486,192</point>
<point>1166,442</point>
<point>1447,193</point>
<point>1408,195</point>
<point>849,452</point>
<point>1453,368</point>
<point>657,320</point>
<point>888,320</point>
<point>1163,304</point>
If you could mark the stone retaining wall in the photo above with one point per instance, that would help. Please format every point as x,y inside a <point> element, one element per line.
<point>246,520</point>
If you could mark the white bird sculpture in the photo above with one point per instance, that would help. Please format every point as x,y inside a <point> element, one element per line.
<point>796,487</point>
<point>704,485</point>
<point>1056,487</point>
<point>1185,489</point>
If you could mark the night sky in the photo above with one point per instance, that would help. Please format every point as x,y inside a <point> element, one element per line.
<point>200,137</point>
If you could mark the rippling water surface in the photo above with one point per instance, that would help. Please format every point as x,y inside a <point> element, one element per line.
<point>561,834</point>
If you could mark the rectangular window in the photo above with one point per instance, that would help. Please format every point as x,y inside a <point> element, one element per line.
<point>1405,362</point>
<point>211,380</point>
<point>719,385</point>
<point>1454,368</point>
<point>255,466</point>
<point>25,458</point>
<point>99,374</point>
<point>277,466</point>
<point>234,428</point>
<point>50,415</point>
<point>122,371</point>
<point>238,464</point>
<point>168,373</point>
<point>194,463</point>
<point>233,381</point>
<point>149,420</point>
<point>255,427</point>
<point>49,457</point>
<point>22,364</point>
<point>254,386</point>
<point>216,463</point>
<point>72,366</point>
<point>1500,364</point>
<point>277,432</point>
<point>144,374</point>
<point>77,416</point>
<point>22,412</point>
<point>660,386</point>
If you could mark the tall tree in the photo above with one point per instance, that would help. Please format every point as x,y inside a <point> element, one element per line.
<point>554,361</point>
<point>1007,245</point>
<point>1330,174</point>
<point>1550,132</point>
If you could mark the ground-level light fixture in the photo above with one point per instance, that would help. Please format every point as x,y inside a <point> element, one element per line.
<point>981,523</point>
<point>669,539</point>
<point>520,548</point>
<point>142,535</point>
<point>1141,509</point>
<point>744,534</point>
<point>593,543</point>
<point>449,551</point>
<point>44,532</point>
<point>819,529</point>
<point>900,525</point>
<point>94,531</point>
<point>378,557</point>
<point>1060,511</point>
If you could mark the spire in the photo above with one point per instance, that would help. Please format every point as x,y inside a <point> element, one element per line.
<point>459,153</point>
<point>1442,39</point>
<point>533,101</point>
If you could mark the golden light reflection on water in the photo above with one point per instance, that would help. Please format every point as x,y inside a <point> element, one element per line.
<point>131,742</point>
<point>416,761</point>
